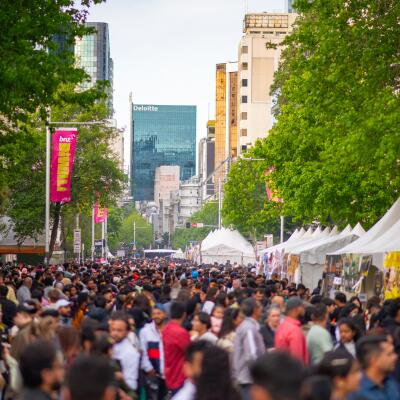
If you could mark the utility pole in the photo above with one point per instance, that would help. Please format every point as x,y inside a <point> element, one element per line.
<point>93,225</point>
<point>219,204</point>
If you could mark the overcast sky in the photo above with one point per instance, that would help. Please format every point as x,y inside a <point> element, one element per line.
<point>165,51</point>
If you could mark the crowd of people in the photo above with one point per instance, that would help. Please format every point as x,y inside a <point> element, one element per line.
<point>161,329</point>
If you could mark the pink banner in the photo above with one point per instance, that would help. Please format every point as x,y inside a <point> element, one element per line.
<point>100,214</point>
<point>62,162</point>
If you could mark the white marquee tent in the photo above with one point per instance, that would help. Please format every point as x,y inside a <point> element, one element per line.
<point>226,244</point>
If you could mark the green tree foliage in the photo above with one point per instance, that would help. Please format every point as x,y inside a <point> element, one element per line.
<point>144,231</point>
<point>336,144</point>
<point>208,215</point>
<point>245,204</point>
<point>32,65</point>
<point>96,173</point>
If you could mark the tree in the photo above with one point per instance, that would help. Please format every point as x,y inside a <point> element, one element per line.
<point>96,174</point>
<point>245,204</point>
<point>144,231</point>
<point>336,142</point>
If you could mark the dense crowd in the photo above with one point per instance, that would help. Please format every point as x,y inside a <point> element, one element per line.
<point>160,329</point>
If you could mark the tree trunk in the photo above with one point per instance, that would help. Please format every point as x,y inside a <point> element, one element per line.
<point>54,230</point>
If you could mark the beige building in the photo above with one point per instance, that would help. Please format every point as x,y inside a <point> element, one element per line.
<point>166,180</point>
<point>259,55</point>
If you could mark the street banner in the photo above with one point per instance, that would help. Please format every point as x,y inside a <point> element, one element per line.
<point>271,194</point>
<point>100,214</point>
<point>62,162</point>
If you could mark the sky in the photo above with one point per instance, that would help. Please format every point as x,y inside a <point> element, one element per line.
<point>165,51</point>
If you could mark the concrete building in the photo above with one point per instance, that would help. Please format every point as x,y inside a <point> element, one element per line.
<point>259,55</point>
<point>166,180</point>
<point>226,127</point>
<point>92,53</point>
<point>206,163</point>
<point>189,199</point>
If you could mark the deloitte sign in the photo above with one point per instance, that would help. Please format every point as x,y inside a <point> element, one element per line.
<point>145,108</point>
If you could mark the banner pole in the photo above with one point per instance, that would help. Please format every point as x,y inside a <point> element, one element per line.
<point>92,233</point>
<point>47,206</point>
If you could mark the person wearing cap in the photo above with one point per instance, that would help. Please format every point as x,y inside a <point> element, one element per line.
<point>289,337</point>
<point>64,309</point>
<point>153,352</point>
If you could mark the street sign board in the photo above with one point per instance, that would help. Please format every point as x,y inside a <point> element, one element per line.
<point>120,253</point>
<point>77,241</point>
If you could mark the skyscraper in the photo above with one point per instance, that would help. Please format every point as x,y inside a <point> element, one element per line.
<point>92,53</point>
<point>226,102</point>
<point>259,55</point>
<point>161,135</point>
<point>206,157</point>
<point>289,6</point>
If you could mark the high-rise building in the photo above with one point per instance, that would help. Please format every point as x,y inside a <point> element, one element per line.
<point>206,155</point>
<point>166,180</point>
<point>92,53</point>
<point>289,6</point>
<point>226,103</point>
<point>161,135</point>
<point>259,55</point>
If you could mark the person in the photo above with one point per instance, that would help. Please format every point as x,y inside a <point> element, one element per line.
<point>201,324</point>
<point>24,291</point>
<point>343,371</point>
<point>217,317</point>
<point>90,378</point>
<point>64,309</point>
<point>276,376</point>
<point>289,336</point>
<point>175,342</point>
<point>319,340</point>
<point>214,381</point>
<point>268,330</point>
<point>232,319</point>
<point>192,369</point>
<point>316,387</point>
<point>123,350</point>
<point>378,361</point>
<point>41,371</point>
<point>153,352</point>
<point>247,346</point>
<point>348,336</point>
<point>8,307</point>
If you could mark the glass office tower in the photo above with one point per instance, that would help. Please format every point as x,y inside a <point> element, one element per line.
<point>161,135</point>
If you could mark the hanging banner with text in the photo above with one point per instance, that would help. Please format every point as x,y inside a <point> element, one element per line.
<point>62,162</point>
<point>100,214</point>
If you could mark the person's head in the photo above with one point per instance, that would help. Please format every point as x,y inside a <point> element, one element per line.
<point>319,314</point>
<point>251,308</point>
<point>27,282</point>
<point>3,291</point>
<point>24,315</point>
<point>41,366</point>
<point>193,359</point>
<point>295,308</point>
<point>343,371</point>
<point>273,317</point>
<point>340,299</point>
<point>236,284</point>
<point>316,387</point>
<point>63,307</point>
<point>215,380</point>
<point>90,378</point>
<point>201,322</point>
<point>119,326</point>
<point>158,315</point>
<point>348,330</point>
<point>232,319</point>
<point>218,311</point>
<point>276,376</point>
<point>330,304</point>
<point>178,311</point>
<point>259,294</point>
<point>376,353</point>
<point>278,301</point>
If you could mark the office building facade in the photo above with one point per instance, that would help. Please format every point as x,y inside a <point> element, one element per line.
<point>206,155</point>
<point>166,180</point>
<point>289,6</point>
<point>161,135</point>
<point>259,55</point>
<point>92,53</point>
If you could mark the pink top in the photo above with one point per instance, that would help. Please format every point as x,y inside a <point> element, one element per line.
<point>290,338</point>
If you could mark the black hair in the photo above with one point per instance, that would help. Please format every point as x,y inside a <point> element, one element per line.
<point>195,347</point>
<point>37,357</point>
<point>177,310</point>
<point>319,312</point>
<point>100,301</point>
<point>89,377</point>
<point>279,374</point>
<point>339,296</point>
<point>228,322</point>
<point>204,318</point>
<point>317,387</point>
<point>352,325</point>
<point>316,299</point>
<point>248,306</point>
<point>215,382</point>
<point>336,363</point>
<point>120,316</point>
<point>3,291</point>
<point>367,347</point>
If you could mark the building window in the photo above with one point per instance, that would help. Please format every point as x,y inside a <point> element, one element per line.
<point>245,66</point>
<point>244,99</point>
<point>244,116</point>
<point>245,49</point>
<point>243,132</point>
<point>244,82</point>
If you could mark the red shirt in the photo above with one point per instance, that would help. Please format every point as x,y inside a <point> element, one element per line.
<point>290,338</point>
<point>175,341</point>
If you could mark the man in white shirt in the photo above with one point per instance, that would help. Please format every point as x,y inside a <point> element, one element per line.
<point>123,350</point>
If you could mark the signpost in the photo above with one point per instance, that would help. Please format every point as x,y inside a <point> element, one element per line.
<point>77,243</point>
